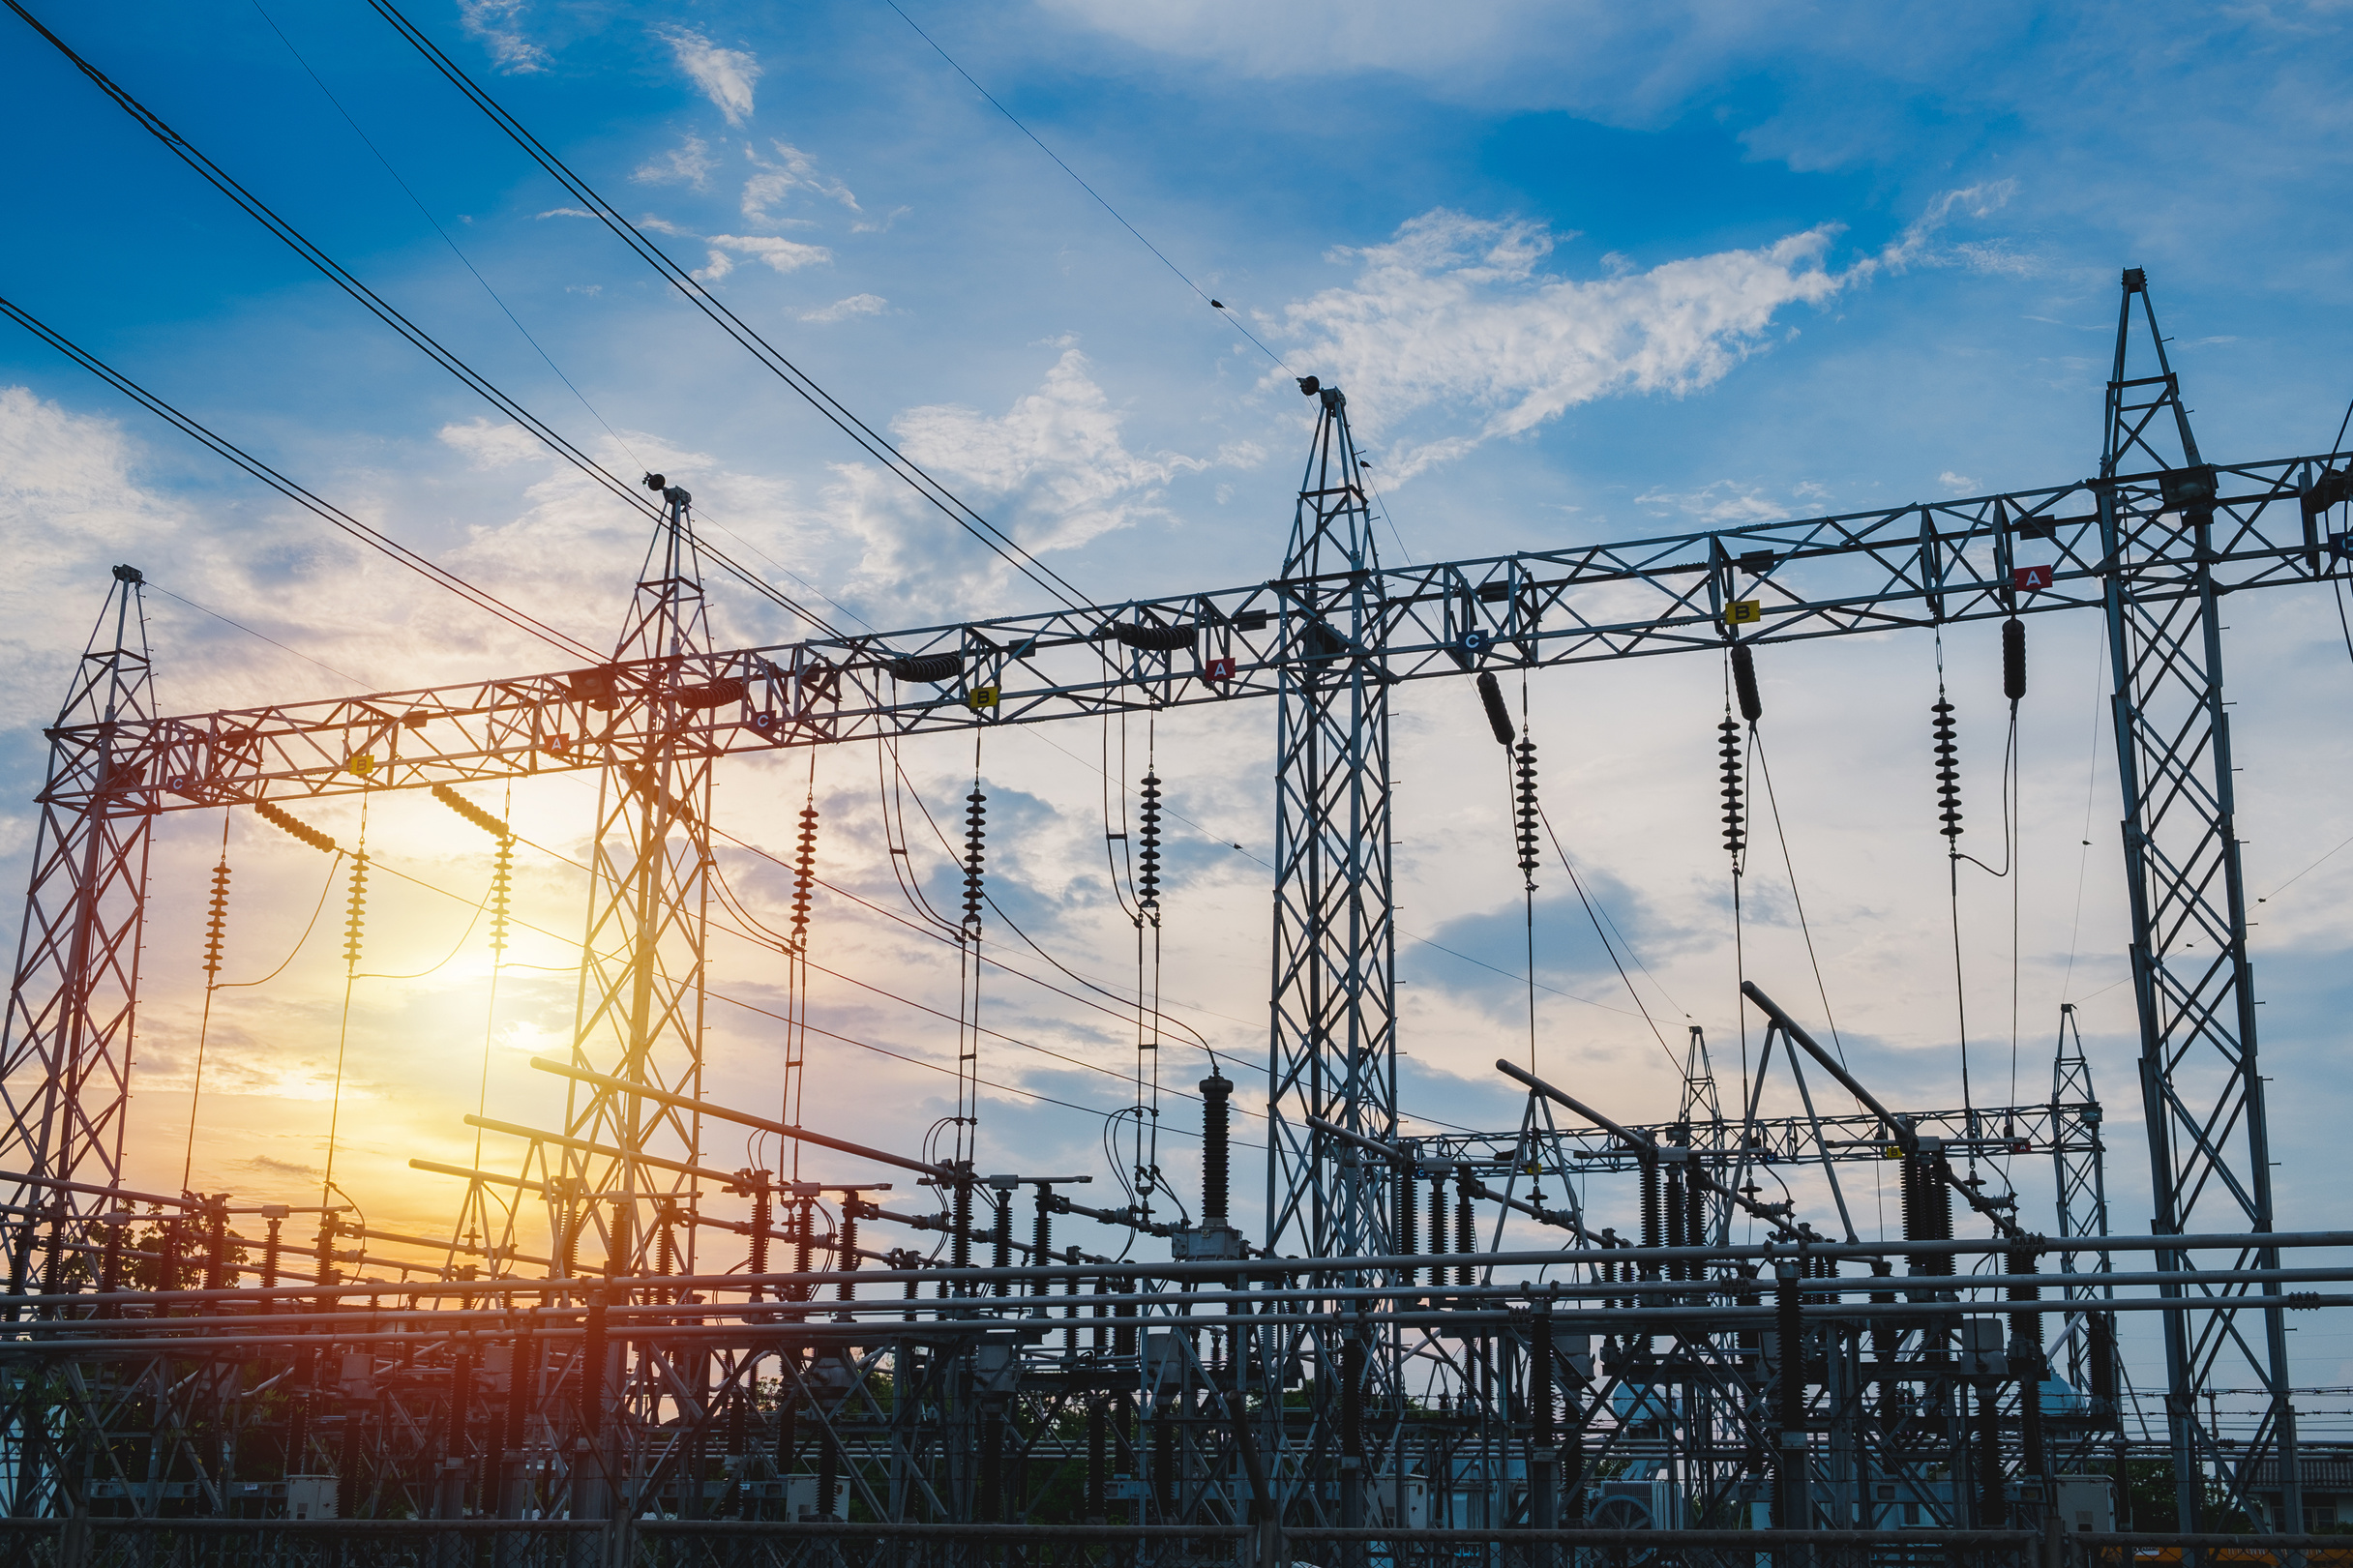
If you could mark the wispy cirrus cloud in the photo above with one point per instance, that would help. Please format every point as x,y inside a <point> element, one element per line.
<point>789,170</point>
<point>725,77</point>
<point>777,254</point>
<point>844,310</point>
<point>497,24</point>
<point>690,162</point>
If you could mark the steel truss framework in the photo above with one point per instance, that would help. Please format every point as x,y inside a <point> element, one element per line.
<point>2152,541</point>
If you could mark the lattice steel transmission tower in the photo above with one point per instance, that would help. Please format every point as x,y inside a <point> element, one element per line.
<point>66,1046</point>
<point>1334,1002</point>
<point>2209,1147</point>
<point>640,1013</point>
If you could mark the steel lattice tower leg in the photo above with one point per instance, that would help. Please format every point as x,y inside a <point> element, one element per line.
<point>65,1053</point>
<point>66,1043</point>
<point>2202,1092</point>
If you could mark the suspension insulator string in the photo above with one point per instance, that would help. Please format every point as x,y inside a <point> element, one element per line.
<point>1741,680</point>
<point>1949,816</point>
<point>216,927</point>
<point>1528,817</point>
<point>1147,961</point>
<point>968,960</point>
<point>797,962</point>
<point>355,920</point>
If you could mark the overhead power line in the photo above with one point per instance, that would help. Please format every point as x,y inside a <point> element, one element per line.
<point>571,646</point>
<point>335,272</point>
<point>1219,305</point>
<point>868,440</point>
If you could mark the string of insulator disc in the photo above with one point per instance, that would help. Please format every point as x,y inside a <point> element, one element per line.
<point>304,830</point>
<point>1752,708</point>
<point>1948,770</point>
<point>804,873</point>
<point>217,922</point>
<point>1148,880</point>
<point>502,866</point>
<point>1529,815</point>
<point>974,815</point>
<point>356,920</point>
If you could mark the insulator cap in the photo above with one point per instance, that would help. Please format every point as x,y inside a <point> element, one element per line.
<point>2013,658</point>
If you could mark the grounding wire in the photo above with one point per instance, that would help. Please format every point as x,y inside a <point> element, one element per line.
<point>1607,946</point>
<point>1218,306</point>
<point>1790,869</point>
<point>481,598</point>
<point>333,866</point>
<point>773,360</point>
<point>250,632</point>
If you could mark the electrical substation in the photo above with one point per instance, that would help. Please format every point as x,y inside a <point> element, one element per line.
<point>1431,1349</point>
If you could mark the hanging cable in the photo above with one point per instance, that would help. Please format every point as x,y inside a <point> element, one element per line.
<point>481,598</point>
<point>334,273</point>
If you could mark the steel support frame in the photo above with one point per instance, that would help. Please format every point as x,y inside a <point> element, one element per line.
<point>2201,1091</point>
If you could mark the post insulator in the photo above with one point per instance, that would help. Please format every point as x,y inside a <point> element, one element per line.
<point>2013,658</point>
<point>1948,771</point>
<point>1217,1092</point>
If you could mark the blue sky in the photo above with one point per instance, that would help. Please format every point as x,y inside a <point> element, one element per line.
<point>1588,272</point>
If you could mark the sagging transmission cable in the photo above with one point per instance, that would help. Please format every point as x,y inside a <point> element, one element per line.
<point>384,310</point>
<point>482,599</point>
<point>771,358</point>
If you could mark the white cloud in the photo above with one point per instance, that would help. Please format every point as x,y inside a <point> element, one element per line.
<point>1057,454</point>
<point>1457,313</point>
<point>792,169</point>
<point>781,255</point>
<point>843,310</point>
<point>497,23</point>
<point>566,212</point>
<point>687,163</point>
<point>1726,503</point>
<point>725,75</point>
<point>1454,311</point>
<point>1959,483</point>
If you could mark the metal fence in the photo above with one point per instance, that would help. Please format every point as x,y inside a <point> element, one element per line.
<point>645,1543</point>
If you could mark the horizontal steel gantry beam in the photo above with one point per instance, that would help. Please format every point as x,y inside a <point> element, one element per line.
<point>2017,553</point>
